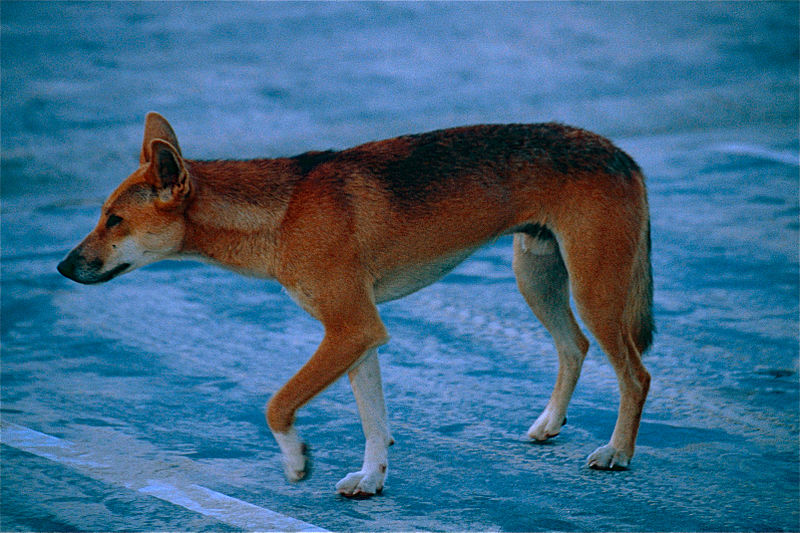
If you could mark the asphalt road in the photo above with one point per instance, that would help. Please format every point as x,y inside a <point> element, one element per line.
<point>137,405</point>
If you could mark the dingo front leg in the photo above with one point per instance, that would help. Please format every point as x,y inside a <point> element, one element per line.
<point>365,379</point>
<point>351,331</point>
<point>294,451</point>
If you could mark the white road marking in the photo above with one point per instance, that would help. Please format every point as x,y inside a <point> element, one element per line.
<point>194,497</point>
<point>224,508</point>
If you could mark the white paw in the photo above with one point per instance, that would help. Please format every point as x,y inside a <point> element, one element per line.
<point>608,458</point>
<point>546,426</point>
<point>362,484</point>
<point>296,464</point>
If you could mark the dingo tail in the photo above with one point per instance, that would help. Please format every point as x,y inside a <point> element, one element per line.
<point>640,299</point>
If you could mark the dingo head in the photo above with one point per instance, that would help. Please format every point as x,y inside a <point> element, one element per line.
<point>143,220</point>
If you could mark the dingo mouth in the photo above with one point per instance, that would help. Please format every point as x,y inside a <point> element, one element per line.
<point>114,272</point>
<point>71,273</point>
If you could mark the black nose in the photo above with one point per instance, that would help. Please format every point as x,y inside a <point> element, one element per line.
<point>72,265</point>
<point>67,268</point>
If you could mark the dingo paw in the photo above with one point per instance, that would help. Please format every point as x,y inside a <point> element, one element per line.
<point>295,455</point>
<point>548,425</point>
<point>297,467</point>
<point>362,484</point>
<point>608,458</point>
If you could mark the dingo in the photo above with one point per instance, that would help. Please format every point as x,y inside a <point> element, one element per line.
<point>343,231</point>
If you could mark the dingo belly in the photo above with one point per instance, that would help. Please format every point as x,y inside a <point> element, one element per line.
<point>405,280</point>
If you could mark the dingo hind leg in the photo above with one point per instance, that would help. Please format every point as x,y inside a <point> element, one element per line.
<point>609,270</point>
<point>542,279</point>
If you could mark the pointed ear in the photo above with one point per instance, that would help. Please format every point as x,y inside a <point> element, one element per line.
<point>167,171</point>
<point>156,127</point>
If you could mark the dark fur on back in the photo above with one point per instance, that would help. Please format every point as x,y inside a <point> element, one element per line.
<point>414,167</point>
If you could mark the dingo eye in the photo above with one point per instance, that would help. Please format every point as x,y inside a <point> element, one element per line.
<point>112,221</point>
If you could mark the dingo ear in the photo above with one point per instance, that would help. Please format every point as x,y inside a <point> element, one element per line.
<point>167,172</point>
<point>156,127</point>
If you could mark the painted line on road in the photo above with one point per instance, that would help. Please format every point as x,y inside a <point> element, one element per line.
<point>224,508</point>
<point>197,498</point>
